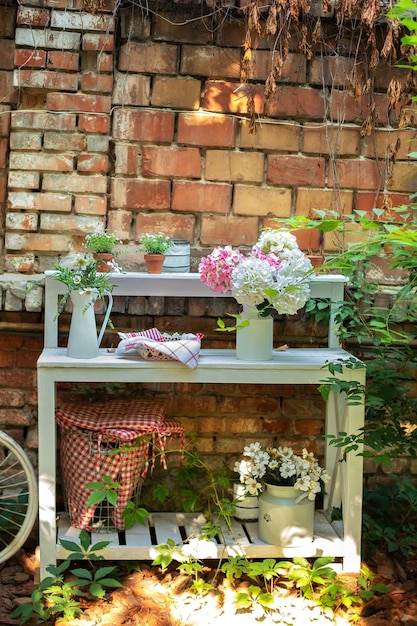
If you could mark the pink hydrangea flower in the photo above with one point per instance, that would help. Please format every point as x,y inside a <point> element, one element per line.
<point>216,269</point>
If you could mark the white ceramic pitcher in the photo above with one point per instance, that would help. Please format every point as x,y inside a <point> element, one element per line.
<point>82,340</point>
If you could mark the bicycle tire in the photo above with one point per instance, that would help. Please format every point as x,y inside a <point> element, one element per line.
<point>18,497</point>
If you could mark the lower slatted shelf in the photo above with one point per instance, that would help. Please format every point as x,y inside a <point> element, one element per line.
<point>139,542</point>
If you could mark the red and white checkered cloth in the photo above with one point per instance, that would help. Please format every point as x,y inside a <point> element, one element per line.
<point>88,432</point>
<point>86,459</point>
<point>120,416</point>
<point>153,345</point>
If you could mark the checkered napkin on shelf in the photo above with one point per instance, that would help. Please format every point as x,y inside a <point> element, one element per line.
<point>156,346</point>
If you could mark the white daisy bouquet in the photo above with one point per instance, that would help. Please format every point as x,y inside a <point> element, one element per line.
<point>280,466</point>
<point>273,276</point>
<point>80,274</point>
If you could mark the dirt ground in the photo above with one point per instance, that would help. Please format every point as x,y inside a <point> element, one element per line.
<point>152,598</point>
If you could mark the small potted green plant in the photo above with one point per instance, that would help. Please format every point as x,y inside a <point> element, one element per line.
<point>102,246</point>
<point>155,246</point>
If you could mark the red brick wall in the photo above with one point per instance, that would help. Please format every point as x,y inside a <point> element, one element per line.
<point>137,124</point>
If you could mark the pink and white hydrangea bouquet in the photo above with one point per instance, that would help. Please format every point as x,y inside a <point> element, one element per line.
<point>280,466</point>
<point>273,276</point>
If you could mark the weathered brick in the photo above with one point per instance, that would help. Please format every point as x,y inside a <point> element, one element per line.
<point>22,221</point>
<point>207,130</point>
<point>331,139</point>
<point>8,94</point>
<point>247,424</point>
<point>76,183</point>
<point>168,30</point>
<point>78,102</point>
<point>37,243</point>
<point>25,140</point>
<point>4,120</point>
<point>119,222</point>
<point>3,181</point>
<point>64,141</point>
<point>43,79</point>
<point>225,230</point>
<point>31,16</point>
<point>59,60</point>
<point>55,202</point>
<point>41,120</point>
<point>104,62</point>
<point>96,82</point>
<point>77,224</point>
<point>224,97</point>
<point>333,71</point>
<point>140,194</point>
<point>296,102</point>
<point>131,89</point>
<point>276,426</point>
<point>90,205</point>
<point>350,109</point>
<point>230,166</point>
<point>36,161</point>
<point>15,417</point>
<point>6,360</point>
<point>126,159</point>
<point>149,58</point>
<point>178,226</point>
<point>172,162</point>
<point>29,58</point>
<point>365,202</point>
<point>46,38</point>
<point>212,425</point>
<point>4,144</point>
<point>295,170</point>
<point>201,197</point>
<point>270,136</point>
<point>7,21</point>
<point>385,72</point>
<point>23,264</point>
<point>294,68</point>
<point>383,144</point>
<point>356,174</point>
<point>308,427</point>
<point>92,163</point>
<point>24,180</point>
<point>262,201</point>
<point>11,397</point>
<point>210,61</point>
<point>177,93</point>
<point>156,126</point>
<point>76,20</point>
<point>97,143</point>
<point>323,199</point>
<point>7,54</point>
<point>94,123</point>
<point>94,41</point>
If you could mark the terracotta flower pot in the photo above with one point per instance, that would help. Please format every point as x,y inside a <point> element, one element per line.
<point>154,263</point>
<point>103,259</point>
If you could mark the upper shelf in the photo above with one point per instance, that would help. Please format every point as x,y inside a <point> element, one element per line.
<point>330,286</point>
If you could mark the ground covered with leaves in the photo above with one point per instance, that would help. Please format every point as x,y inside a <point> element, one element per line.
<point>150,596</point>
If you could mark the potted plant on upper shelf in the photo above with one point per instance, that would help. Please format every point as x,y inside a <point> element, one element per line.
<point>155,246</point>
<point>102,247</point>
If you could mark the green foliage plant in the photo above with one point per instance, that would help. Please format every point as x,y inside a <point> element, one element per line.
<point>390,517</point>
<point>102,243</point>
<point>56,597</point>
<point>157,243</point>
<point>383,333</point>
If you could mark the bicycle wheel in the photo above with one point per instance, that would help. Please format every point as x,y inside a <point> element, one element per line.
<point>18,497</point>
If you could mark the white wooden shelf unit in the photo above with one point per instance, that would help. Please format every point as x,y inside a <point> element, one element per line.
<point>341,540</point>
